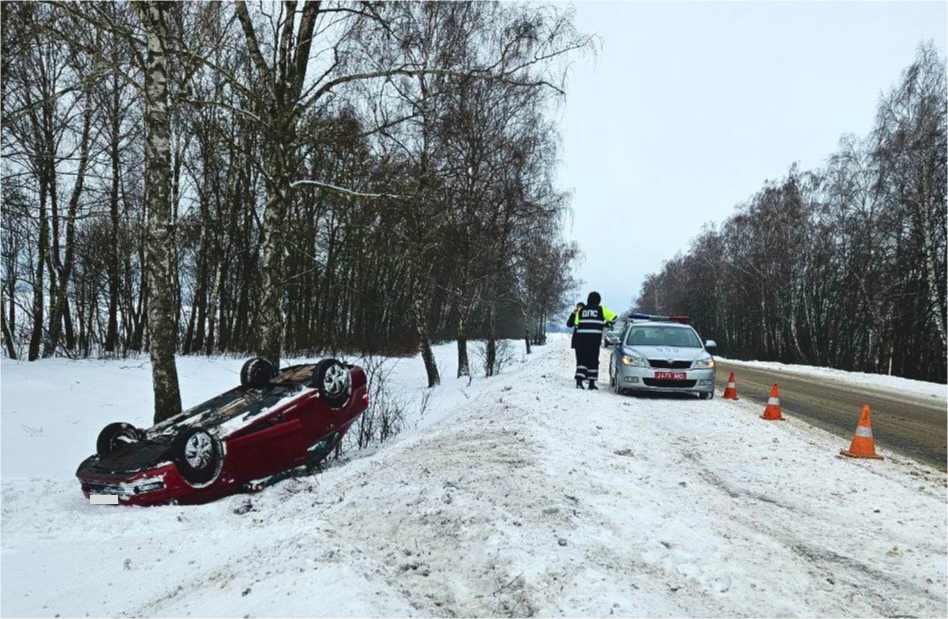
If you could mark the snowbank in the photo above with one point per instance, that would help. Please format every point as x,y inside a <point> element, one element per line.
<point>875,381</point>
<point>53,409</point>
<point>527,497</point>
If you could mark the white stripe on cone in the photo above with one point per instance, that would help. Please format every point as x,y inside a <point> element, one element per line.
<point>864,432</point>
<point>773,402</point>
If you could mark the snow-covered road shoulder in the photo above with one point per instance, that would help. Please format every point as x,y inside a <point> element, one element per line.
<point>530,498</point>
<point>879,382</point>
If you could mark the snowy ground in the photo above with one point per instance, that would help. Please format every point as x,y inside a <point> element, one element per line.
<point>895,384</point>
<point>517,495</point>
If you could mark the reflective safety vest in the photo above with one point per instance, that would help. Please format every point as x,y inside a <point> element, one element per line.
<point>593,319</point>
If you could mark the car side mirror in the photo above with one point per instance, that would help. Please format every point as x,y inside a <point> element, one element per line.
<point>710,344</point>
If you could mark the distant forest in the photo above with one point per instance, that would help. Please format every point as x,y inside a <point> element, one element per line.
<point>842,266</point>
<point>281,178</point>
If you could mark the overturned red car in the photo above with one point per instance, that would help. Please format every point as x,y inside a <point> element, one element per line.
<point>272,423</point>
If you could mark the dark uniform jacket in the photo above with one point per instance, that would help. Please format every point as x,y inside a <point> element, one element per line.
<point>571,322</point>
<point>589,323</point>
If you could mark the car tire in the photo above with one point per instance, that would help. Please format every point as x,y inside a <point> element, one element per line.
<point>257,372</point>
<point>331,377</point>
<point>198,455</point>
<point>115,435</point>
<point>706,395</point>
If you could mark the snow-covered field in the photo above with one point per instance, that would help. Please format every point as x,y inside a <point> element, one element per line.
<point>895,384</point>
<point>517,495</point>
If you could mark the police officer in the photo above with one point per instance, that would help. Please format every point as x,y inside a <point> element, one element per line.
<point>571,322</point>
<point>589,321</point>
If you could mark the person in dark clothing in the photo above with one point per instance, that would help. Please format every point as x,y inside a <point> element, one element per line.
<point>571,322</point>
<point>590,321</point>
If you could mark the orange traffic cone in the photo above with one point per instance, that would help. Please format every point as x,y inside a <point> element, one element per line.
<point>863,445</point>
<point>730,392</point>
<point>772,412</point>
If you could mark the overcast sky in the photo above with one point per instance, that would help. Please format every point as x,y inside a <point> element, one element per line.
<point>689,107</point>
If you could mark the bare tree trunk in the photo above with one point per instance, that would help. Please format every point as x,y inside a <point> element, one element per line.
<point>270,317</point>
<point>138,335</point>
<point>209,340</point>
<point>111,337</point>
<point>162,334</point>
<point>464,364</point>
<point>931,278</point>
<point>424,341</point>
<point>7,336</point>
<point>60,310</point>
<point>490,364</point>
<point>41,248</point>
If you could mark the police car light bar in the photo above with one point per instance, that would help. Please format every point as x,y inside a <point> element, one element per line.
<point>655,317</point>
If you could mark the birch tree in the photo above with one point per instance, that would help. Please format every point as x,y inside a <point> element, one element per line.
<point>160,244</point>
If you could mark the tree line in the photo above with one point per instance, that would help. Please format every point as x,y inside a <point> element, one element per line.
<point>842,266</point>
<point>280,178</point>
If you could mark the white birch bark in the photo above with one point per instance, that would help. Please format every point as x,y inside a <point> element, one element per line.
<point>160,239</point>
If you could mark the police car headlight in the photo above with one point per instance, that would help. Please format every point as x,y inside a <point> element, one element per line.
<point>633,361</point>
<point>702,364</point>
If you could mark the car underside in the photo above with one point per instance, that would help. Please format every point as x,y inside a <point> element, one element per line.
<point>270,424</point>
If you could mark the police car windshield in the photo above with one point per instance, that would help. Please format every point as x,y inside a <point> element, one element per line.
<point>679,337</point>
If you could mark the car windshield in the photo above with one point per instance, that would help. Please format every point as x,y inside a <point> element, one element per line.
<point>679,337</point>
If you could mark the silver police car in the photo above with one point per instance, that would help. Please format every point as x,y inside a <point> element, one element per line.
<point>661,354</point>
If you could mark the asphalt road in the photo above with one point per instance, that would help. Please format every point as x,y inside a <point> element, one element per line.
<point>913,426</point>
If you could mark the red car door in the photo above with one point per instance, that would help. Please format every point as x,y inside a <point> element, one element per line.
<point>319,421</point>
<point>267,448</point>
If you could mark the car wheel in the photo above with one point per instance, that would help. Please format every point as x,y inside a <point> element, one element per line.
<point>333,381</point>
<point>257,372</point>
<point>198,454</point>
<point>116,435</point>
<point>706,396</point>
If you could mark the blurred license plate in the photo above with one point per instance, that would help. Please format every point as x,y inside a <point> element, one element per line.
<point>103,499</point>
<point>670,375</point>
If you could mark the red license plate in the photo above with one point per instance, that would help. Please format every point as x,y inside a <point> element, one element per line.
<point>670,375</point>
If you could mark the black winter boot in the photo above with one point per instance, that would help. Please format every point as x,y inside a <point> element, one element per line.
<point>579,383</point>
<point>592,386</point>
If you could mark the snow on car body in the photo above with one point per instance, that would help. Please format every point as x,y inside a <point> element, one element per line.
<point>663,355</point>
<point>270,424</point>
